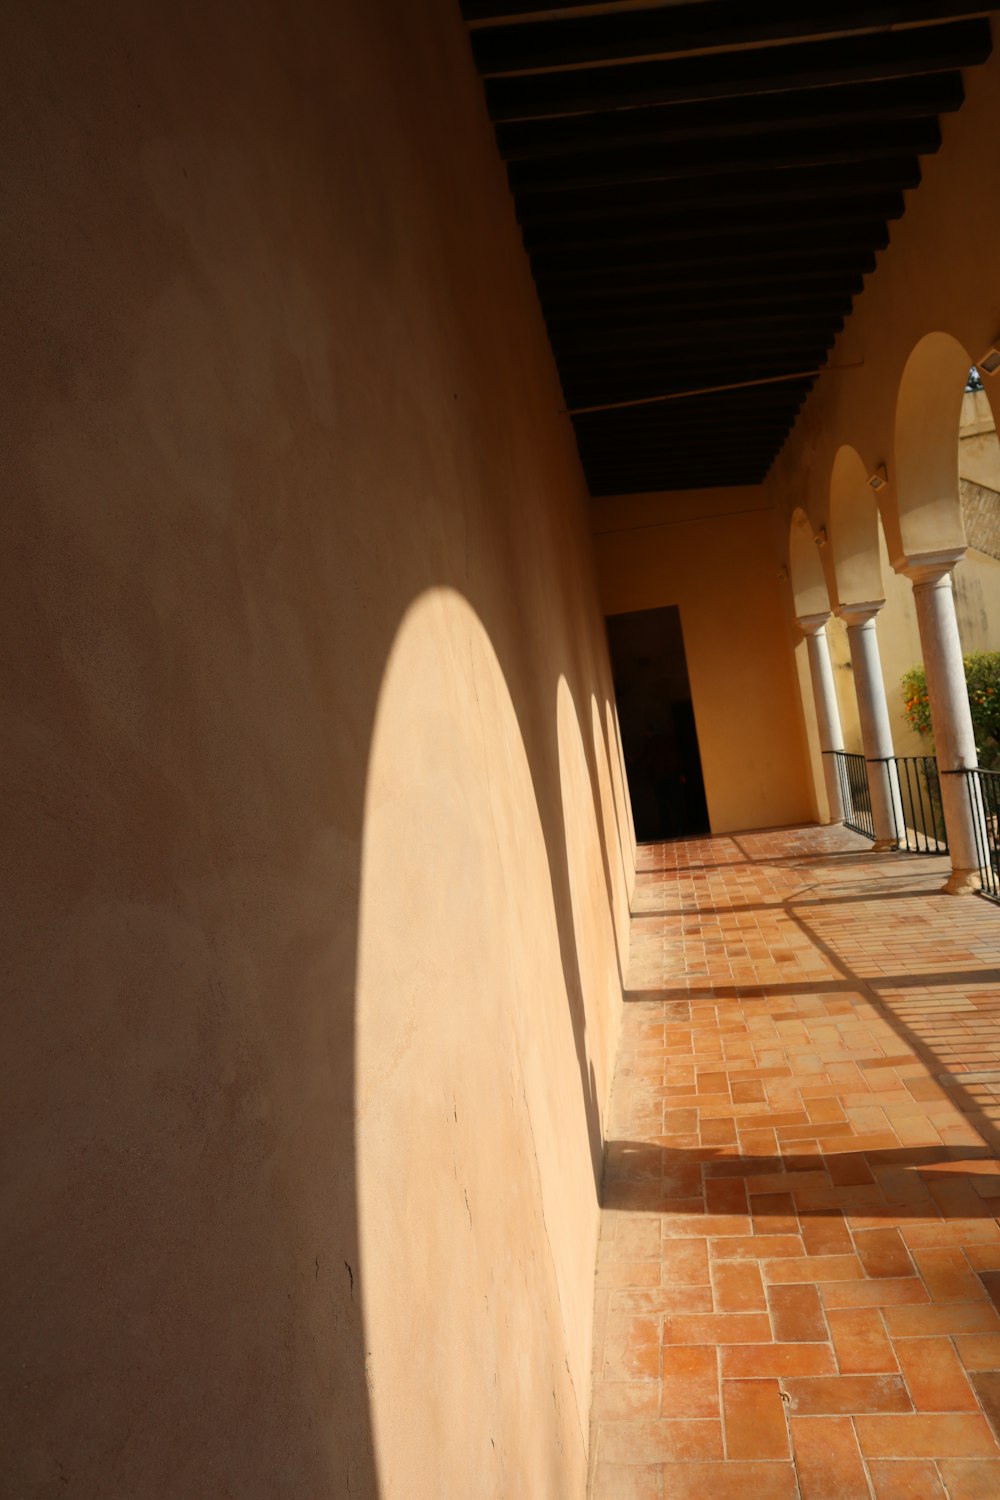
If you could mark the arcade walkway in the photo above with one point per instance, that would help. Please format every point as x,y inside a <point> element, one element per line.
<point>799,1274</point>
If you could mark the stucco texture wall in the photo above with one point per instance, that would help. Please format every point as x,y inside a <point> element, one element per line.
<point>712,553</point>
<point>317,860</point>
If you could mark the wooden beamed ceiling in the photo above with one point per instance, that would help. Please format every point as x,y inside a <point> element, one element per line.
<point>702,186</point>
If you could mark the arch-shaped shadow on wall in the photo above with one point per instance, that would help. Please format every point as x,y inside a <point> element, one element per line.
<point>616,757</point>
<point>236,986</point>
<point>195,969</point>
<point>433,763</point>
<point>610,823</point>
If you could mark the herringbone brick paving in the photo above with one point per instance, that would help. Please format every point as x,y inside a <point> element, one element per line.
<point>799,1269</point>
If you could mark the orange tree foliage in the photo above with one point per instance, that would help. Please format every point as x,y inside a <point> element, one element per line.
<point>982,676</point>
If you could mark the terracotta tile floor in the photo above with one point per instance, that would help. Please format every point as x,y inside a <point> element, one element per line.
<point>799,1272</point>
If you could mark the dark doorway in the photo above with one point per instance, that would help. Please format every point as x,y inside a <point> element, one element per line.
<point>657,724</point>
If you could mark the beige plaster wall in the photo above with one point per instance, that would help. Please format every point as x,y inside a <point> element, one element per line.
<point>316,848</point>
<point>712,553</point>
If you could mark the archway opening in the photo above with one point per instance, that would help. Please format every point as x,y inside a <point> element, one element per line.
<point>659,735</point>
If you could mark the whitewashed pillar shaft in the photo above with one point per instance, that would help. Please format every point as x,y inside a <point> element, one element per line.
<point>831,736</point>
<point>951,716</point>
<point>876,730</point>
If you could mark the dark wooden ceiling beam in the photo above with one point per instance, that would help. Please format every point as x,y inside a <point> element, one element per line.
<point>665,416</point>
<point>615,415</point>
<point>617,431</point>
<point>899,99</point>
<point>735,334</point>
<point>679,456</point>
<point>739,327</point>
<point>660,333</point>
<point>744,448</point>
<point>757,154</point>
<point>616,404</point>
<point>834,270</point>
<point>674,382</point>
<point>702,188</point>
<point>706,472</point>
<point>580,334</point>
<point>605,487</point>
<point>810,185</point>
<point>773,420</point>
<point>646,381</point>
<point>837,215</point>
<point>750,436</point>
<point>657,475</point>
<point>719,250</point>
<point>622,474</point>
<point>491,12</point>
<point>618,422</point>
<point>635,419</point>
<point>680,30</point>
<point>743,444</point>
<point>759,391</point>
<point>631,351</point>
<point>622,305</point>
<point>750,439</point>
<point>837,284</point>
<point>740,453</point>
<point>729,75</point>
<point>667,300</point>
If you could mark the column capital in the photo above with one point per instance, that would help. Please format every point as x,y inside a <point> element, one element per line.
<point>860,613</point>
<point>929,567</point>
<point>813,624</point>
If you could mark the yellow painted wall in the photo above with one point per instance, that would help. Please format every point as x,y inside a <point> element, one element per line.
<point>316,852</point>
<point>712,553</point>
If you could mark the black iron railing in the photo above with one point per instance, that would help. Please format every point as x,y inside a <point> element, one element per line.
<point>852,773</point>
<point>914,789</point>
<point>917,811</point>
<point>983,788</point>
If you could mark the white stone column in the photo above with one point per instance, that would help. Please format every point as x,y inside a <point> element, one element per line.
<point>831,736</point>
<point>876,731</point>
<point>951,716</point>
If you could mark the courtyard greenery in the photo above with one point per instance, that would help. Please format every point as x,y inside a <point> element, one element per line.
<point>982,676</point>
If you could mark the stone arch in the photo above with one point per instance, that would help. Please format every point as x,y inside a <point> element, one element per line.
<point>854,531</point>
<point>928,415</point>
<point>809,586</point>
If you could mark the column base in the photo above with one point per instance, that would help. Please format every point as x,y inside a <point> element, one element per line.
<point>962,883</point>
<point>883,846</point>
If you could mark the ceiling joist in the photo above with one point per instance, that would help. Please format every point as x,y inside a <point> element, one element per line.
<point>702,187</point>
